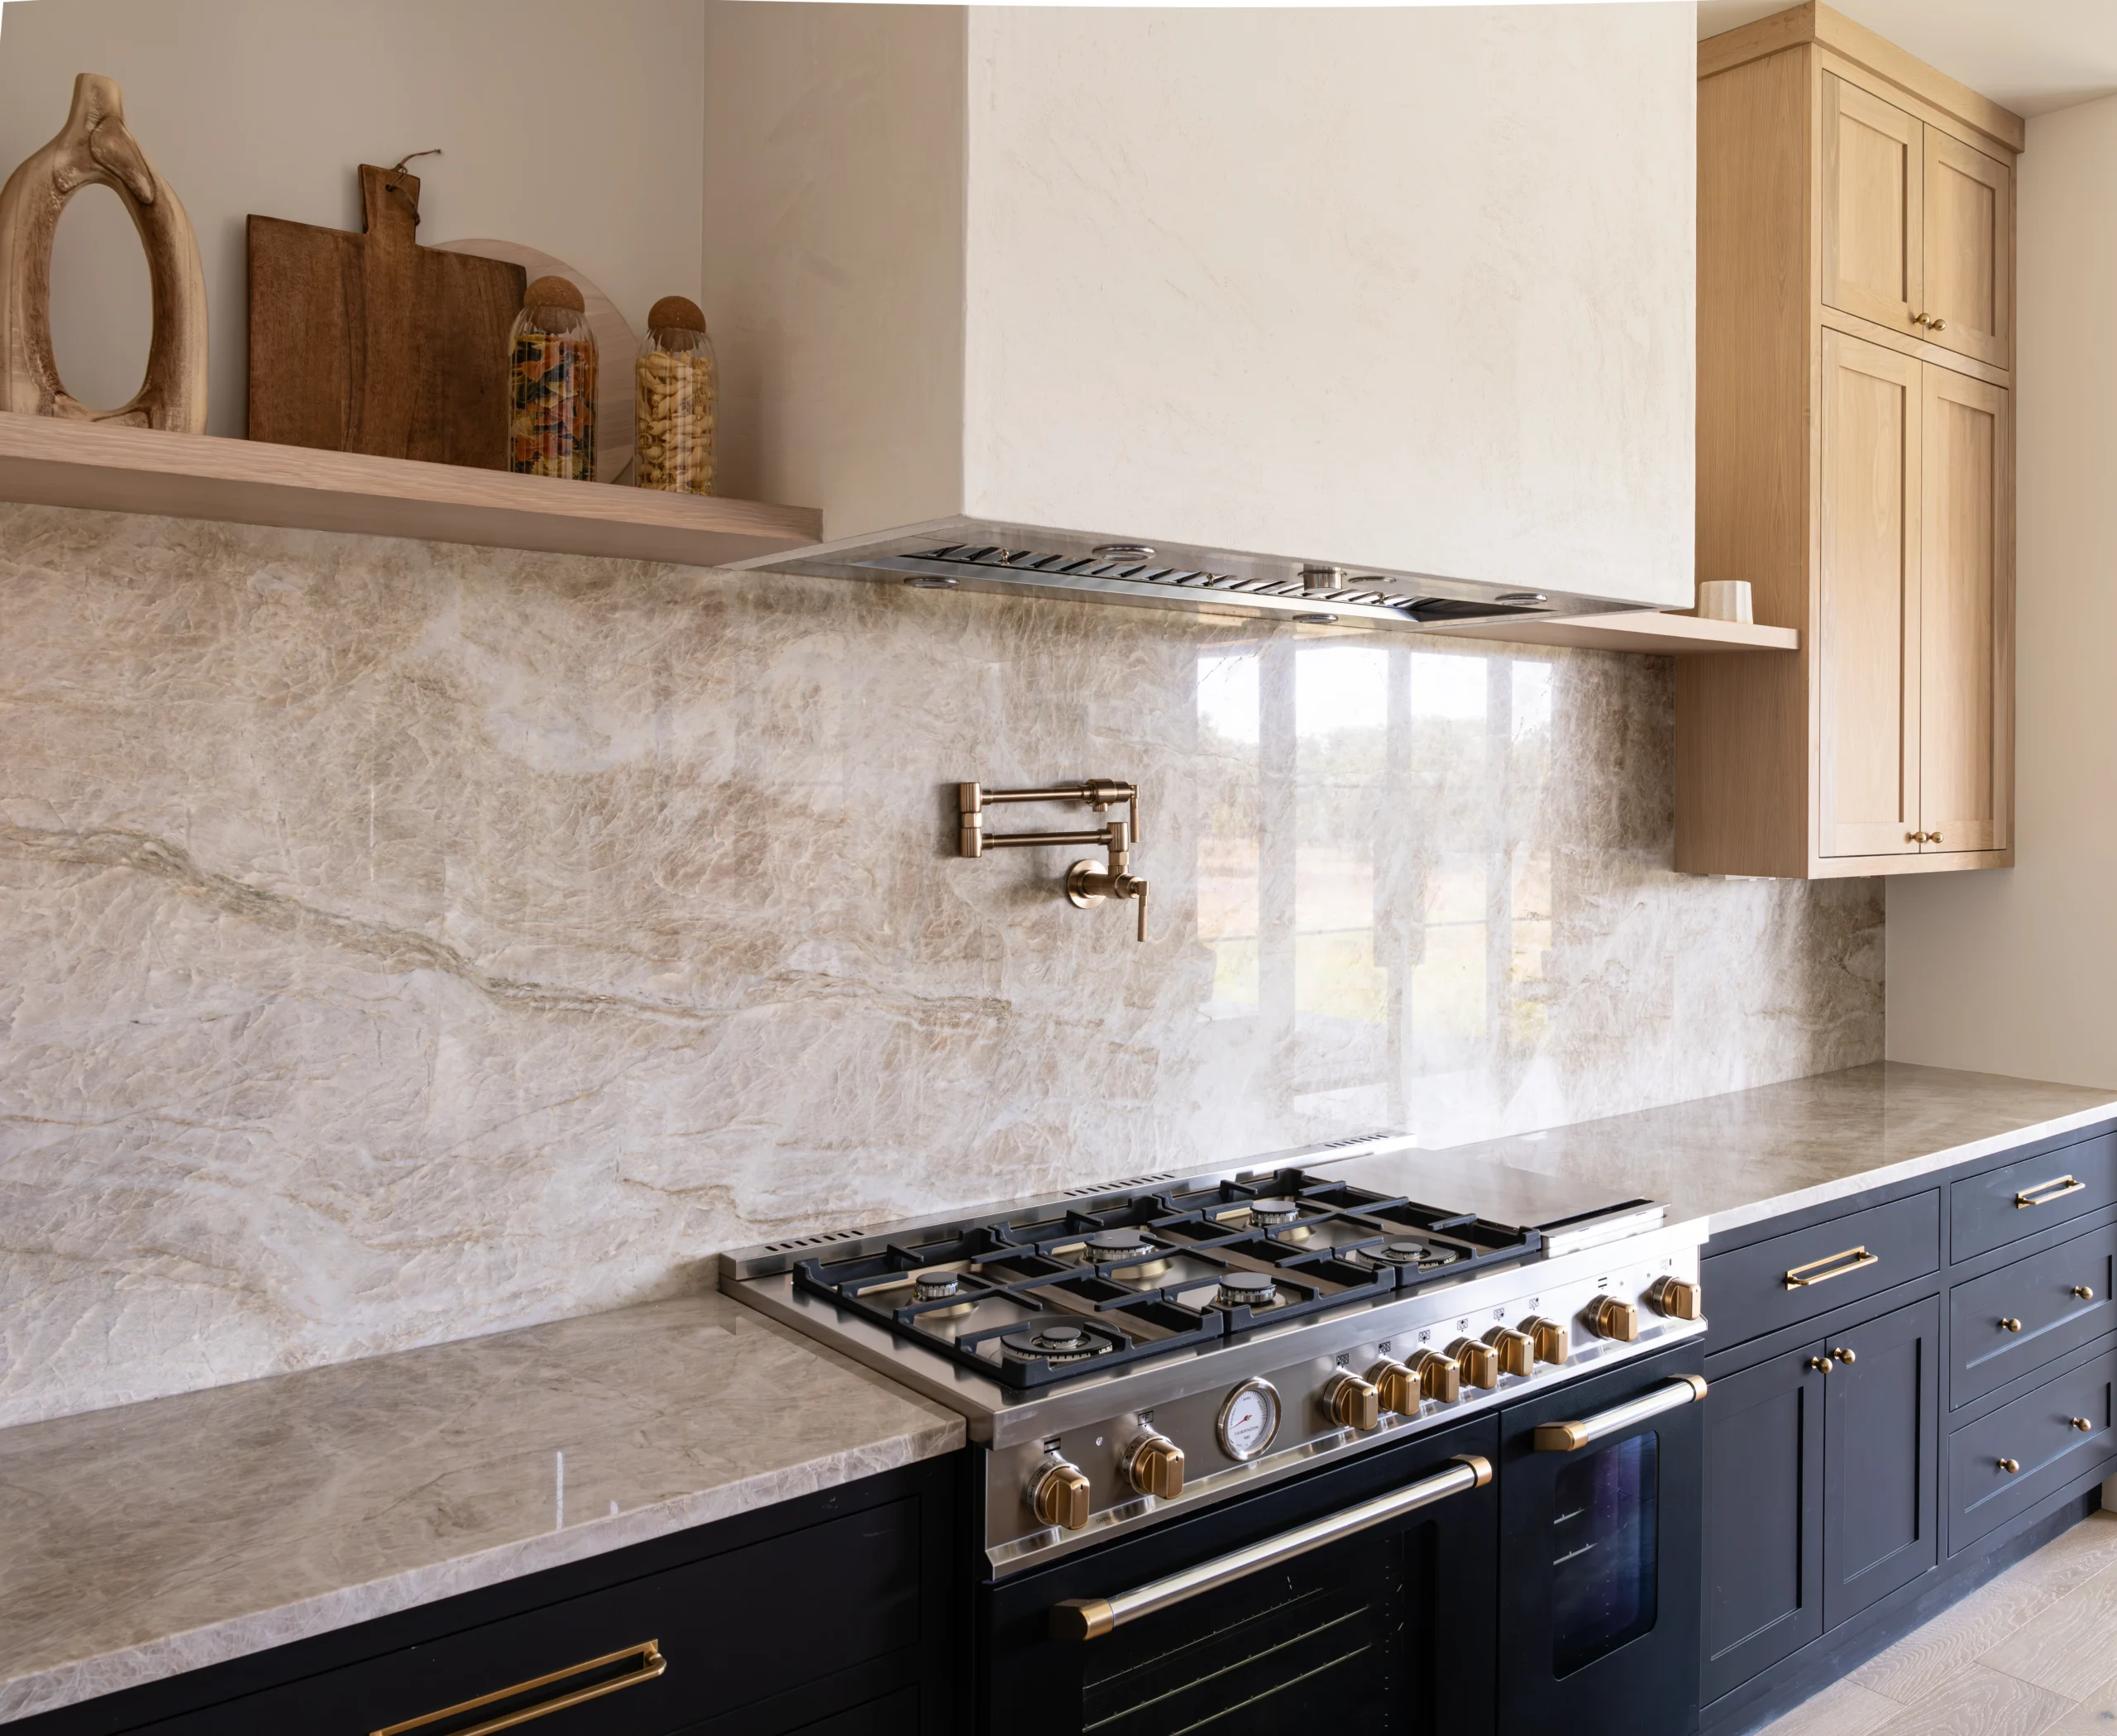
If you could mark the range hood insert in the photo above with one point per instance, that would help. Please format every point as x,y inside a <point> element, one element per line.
<point>970,556</point>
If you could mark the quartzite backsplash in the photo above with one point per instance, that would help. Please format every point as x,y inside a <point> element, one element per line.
<point>401,942</point>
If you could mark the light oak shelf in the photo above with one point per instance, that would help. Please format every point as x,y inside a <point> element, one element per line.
<point>1633,629</point>
<point>109,468</point>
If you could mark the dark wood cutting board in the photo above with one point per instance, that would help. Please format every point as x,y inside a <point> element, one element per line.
<point>372,343</point>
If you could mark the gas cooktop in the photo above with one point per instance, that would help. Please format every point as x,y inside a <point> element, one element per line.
<point>1087,1285</point>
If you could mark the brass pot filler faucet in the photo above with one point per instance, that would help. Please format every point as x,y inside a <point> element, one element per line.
<point>1087,882</point>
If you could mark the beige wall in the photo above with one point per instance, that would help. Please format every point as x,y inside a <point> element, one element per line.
<point>570,127</point>
<point>2013,971</point>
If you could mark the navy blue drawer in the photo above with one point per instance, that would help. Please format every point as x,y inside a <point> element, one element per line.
<point>2007,1323</point>
<point>2032,1193</point>
<point>1773,1284</point>
<point>2039,1436</point>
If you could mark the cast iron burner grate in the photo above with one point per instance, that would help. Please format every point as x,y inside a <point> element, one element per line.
<point>1117,1277</point>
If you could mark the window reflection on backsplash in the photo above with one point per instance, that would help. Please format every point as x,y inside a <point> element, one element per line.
<point>1372,881</point>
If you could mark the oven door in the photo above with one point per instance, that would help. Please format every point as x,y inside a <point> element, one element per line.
<point>1600,1504</point>
<point>1360,1597</point>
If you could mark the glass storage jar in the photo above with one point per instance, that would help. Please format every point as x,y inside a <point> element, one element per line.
<point>676,386</point>
<point>552,385</point>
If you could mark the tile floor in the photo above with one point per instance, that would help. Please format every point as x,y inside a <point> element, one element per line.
<point>2033,1652</point>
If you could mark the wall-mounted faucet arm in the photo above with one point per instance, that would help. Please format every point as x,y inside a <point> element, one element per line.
<point>1086,883</point>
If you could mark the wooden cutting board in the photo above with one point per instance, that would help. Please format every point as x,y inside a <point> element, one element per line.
<point>372,343</point>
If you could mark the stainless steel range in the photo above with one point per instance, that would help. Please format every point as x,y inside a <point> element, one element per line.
<point>1177,1347</point>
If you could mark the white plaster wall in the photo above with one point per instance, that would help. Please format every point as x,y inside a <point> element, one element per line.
<point>2011,971</point>
<point>572,127</point>
<point>1407,286</point>
<point>833,256</point>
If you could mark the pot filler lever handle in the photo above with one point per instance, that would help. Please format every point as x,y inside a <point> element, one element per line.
<point>1670,1396</point>
<point>1091,1617</point>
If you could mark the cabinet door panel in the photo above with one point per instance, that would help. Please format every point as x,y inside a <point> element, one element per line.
<point>1880,1512</point>
<point>1763,1519</point>
<point>1963,562</point>
<point>1873,207</point>
<point>1969,250</point>
<point>1869,636</point>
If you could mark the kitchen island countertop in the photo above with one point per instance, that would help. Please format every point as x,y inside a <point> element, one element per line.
<point>1747,1155</point>
<point>144,1541</point>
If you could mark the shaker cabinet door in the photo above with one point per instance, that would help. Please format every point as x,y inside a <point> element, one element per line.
<point>1881,1526</point>
<point>1969,250</point>
<point>1869,625</point>
<point>1965,581</point>
<point>1764,1479</point>
<point>1873,207</point>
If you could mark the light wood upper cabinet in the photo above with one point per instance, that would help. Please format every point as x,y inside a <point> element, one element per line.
<point>1854,459</point>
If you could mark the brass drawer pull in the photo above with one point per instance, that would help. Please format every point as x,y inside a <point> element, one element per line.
<point>2084,1292</point>
<point>2043,1192</point>
<point>651,1664</point>
<point>1852,1259</point>
<point>2008,1465</point>
<point>2007,1323</point>
<point>2083,1425</point>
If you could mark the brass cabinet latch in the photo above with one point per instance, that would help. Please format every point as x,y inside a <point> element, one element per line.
<point>1087,882</point>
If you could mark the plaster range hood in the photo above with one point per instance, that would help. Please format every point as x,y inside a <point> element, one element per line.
<point>1383,315</point>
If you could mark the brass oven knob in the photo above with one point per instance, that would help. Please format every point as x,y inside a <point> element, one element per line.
<point>1439,1377</point>
<point>1059,1496</point>
<point>1608,1317</point>
<point>1516,1351</point>
<point>1154,1466</point>
<point>1678,1298</point>
<point>1352,1403</point>
<point>1399,1386</point>
<point>1552,1341</point>
<point>1480,1362</point>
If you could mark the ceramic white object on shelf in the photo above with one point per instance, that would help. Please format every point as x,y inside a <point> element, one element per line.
<point>1725,599</point>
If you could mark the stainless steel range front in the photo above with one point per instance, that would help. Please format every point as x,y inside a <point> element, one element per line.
<point>1188,1348</point>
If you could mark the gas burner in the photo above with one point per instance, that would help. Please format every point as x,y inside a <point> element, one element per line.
<point>1056,1341</point>
<point>1247,1290</point>
<point>935,1286</point>
<point>1130,1253</point>
<point>1408,1251</point>
<point>1282,1215</point>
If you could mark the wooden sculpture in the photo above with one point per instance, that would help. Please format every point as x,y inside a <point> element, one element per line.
<point>95,148</point>
<point>372,343</point>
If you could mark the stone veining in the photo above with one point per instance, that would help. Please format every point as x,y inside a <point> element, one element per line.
<point>400,941</point>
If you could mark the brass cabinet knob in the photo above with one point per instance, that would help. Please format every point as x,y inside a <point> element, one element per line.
<point>1936,325</point>
<point>1516,1351</point>
<point>1059,1496</point>
<point>1397,1385</point>
<point>1820,1364</point>
<point>2010,1466</point>
<point>2008,1323</point>
<point>1609,1319</point>
<point>1480,1362</point>
<point>1552,1341</point>
<point>1845,1355</point>
<point>1439,1377</point>
<point>2084,1292</point>
<point>1352,1403</point>
<point>1154,1466</point>
<point>2083,1425</point>
<point>1678,1298</point>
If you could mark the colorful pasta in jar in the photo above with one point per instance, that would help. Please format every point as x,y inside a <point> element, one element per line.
<point>552,385</point>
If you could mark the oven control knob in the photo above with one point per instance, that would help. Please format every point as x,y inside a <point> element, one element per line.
<point>1608,1317</point>
<point>1399,1386</point>
<point>1154,1465</point>
<point>1516,1351</point>
<point>1059,1495</point>
<point>1480,1363</point>
<point>1439,1377</point>
<point>1552,1342</point>
<point>1678,1298</point>
<point>1353,1403</point>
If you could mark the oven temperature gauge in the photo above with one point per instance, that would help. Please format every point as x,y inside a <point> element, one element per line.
<point>1249,1419</point>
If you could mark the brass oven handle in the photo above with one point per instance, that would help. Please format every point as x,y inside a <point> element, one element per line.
<point>1854,1258</point>
<point>2044,1192</point>
<point>1091,1617</point>
<point>651,1664</point>
<point>1670,1396</point>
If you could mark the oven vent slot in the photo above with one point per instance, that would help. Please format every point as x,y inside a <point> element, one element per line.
<point>816,1241</point>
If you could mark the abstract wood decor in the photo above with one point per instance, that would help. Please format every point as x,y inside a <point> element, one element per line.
<point>95,148</point>
<point>372,343</point>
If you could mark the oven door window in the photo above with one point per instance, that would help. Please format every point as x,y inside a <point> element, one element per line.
<point>1604,1552</point>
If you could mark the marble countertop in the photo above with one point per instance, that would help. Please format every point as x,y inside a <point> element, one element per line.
<point>1776,1149</point>
<point>141,1542</point>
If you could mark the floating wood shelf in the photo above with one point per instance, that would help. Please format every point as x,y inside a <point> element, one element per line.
<point>110,468</point>
<point>1633,629</point>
